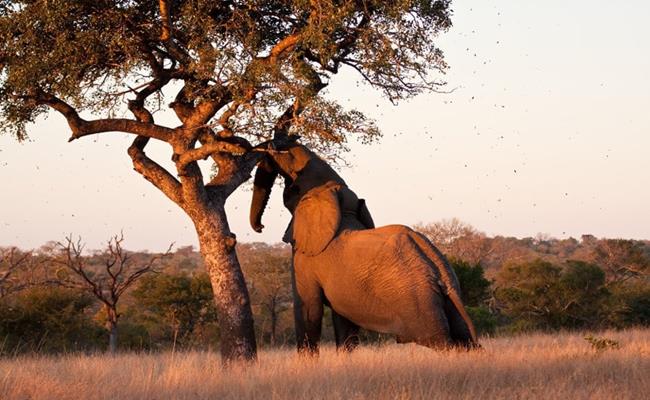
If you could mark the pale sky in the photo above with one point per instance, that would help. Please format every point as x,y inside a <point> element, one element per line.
<point>546,131</point>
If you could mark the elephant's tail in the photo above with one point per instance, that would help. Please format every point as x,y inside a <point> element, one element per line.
<point>461,328</point>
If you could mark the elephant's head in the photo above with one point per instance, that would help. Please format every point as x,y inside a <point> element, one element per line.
<point>314,193</point>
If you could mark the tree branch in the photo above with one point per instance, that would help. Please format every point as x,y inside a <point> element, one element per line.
<point>81,127</point>
<point>145,166</point>
<point>208,149</point>
<point>153,172</point>
<point>285,121</point>
<point>166,34</point>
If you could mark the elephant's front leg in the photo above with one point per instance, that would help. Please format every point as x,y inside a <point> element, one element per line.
<point>307,309</point>
<point>345,331</point>
<point>308,312</point>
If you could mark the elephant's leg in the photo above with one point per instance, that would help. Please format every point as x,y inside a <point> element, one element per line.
<point>308,315</point>
<point>461,328</point>
<point>434,331</point>
<point>431,327</point>
<point>345,331</point>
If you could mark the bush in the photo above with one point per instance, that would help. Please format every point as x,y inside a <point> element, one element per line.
<point>475,289</point>
<point>629,305</point>
<point>49,320</point>
<point>484,321</point>
<point>176,309</point>
<point>541,295</point>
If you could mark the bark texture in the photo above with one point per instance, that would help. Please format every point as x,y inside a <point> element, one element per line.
<point>111,327</point>
<point>217,245</point>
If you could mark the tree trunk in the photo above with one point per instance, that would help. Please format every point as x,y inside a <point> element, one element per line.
<point>111,327</point>
<point>274,320</point>
<point>234,313</point>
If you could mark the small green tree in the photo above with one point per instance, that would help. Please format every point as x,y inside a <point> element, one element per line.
<point>475,292</point>
<point>539,294</point>
<point>629,304</point>
<point>474,287</point>
<point>268,273</point>
<point>176,307</point>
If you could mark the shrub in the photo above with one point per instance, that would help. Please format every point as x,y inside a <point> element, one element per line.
<point>474,287</point>
<point>49,320</point>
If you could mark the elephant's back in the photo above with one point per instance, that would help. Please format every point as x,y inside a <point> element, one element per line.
<point>380,278</point>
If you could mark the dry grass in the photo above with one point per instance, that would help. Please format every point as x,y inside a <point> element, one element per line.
<point>561,366</point>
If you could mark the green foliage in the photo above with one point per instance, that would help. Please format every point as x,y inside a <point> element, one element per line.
<point>474,287</point>
<point>638,306</point>
<point>268,275</point>
<point>629,305</point>
<point>177,308</point>
<point>539,294</point>
<point>528,296</point>
<point>49,320</point>
<point>475,291</point>
<point>484,320</point>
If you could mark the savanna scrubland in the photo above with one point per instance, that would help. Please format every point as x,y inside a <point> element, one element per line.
<point>508,285</point>
<point>543,366</point>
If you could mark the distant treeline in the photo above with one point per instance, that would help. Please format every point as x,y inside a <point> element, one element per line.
<point>59,298</point>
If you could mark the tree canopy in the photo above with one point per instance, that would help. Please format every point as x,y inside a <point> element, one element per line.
<point>244,68</point>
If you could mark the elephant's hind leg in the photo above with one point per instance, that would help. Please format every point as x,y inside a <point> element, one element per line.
<point>345,331</point>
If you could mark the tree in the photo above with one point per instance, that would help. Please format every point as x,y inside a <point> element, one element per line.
<point>622,259</point>
<point>539,294</point>
<point>240,73</point>
<point>108,281</point>
<point>11,260</point>
<point>475,292</point>
<point>268,272</point>
<point>474,288</point>
<point>48,319</point>
<point>629,305</point>
<point>182,303</point>
<point>583,291</point>
<point>459,240</point>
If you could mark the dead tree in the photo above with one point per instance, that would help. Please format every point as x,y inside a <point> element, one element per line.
<point>106,280</point>
<point>11,260</point>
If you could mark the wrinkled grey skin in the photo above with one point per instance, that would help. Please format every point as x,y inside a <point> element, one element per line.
<point>389,279</point>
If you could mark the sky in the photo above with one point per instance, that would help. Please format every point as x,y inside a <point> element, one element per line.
<point>545,129</point>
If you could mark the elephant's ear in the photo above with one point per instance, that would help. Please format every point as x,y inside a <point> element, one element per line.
<point>316,220</point>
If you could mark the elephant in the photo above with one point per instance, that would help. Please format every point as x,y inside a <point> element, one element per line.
<point>389,279</point>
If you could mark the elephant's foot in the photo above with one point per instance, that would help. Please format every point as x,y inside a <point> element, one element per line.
<point>468,346</point>
<point>346,333</point>
<point>308,348</point>
<point>349,344</point>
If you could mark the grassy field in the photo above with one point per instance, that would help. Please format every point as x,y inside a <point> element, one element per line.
<point>563,366</point>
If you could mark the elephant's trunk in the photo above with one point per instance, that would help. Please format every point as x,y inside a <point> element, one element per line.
<point>264,178</point>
